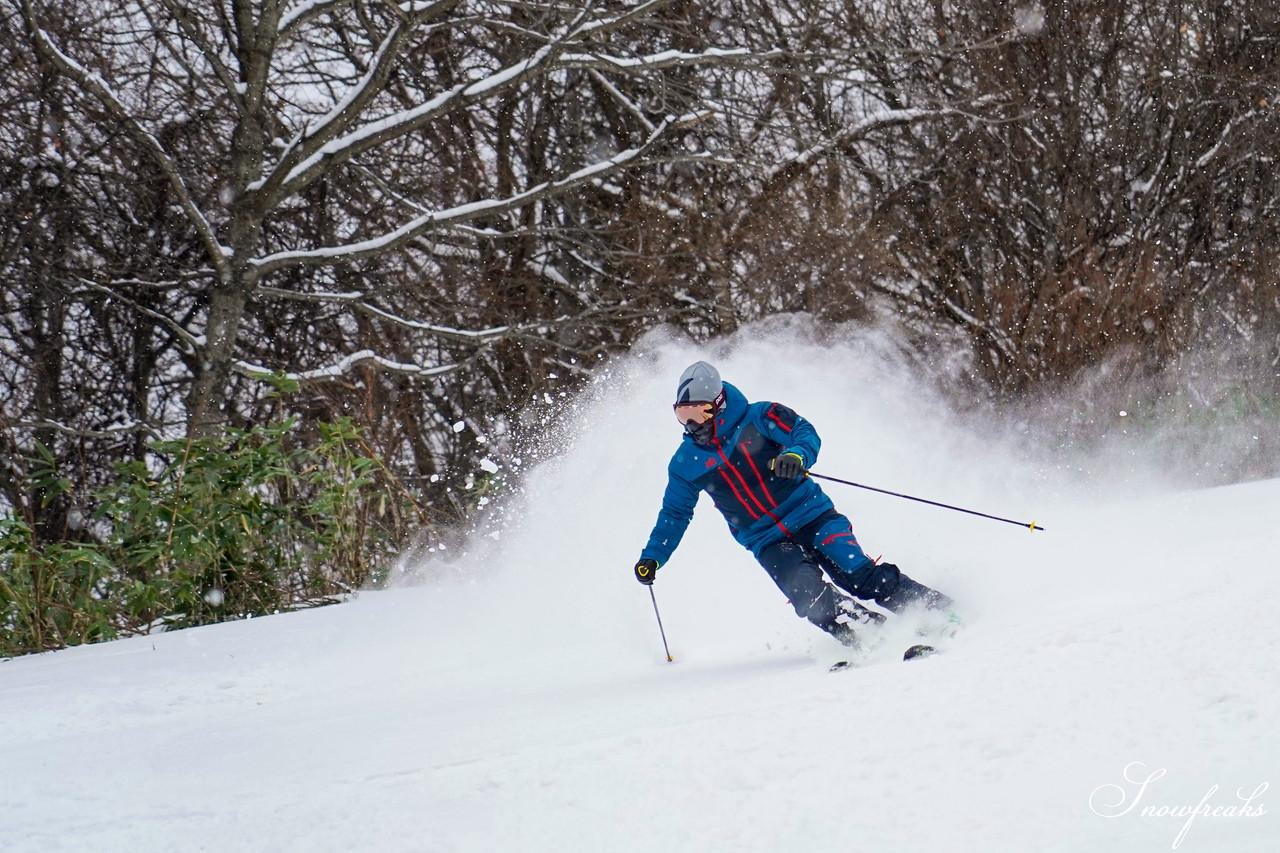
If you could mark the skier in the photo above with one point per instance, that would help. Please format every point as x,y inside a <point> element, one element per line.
<point>752,459</point>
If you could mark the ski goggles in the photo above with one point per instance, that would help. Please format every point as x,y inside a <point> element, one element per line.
<point>694,413</point>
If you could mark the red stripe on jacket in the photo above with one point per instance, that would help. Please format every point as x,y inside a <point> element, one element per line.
<point>751,494</point>
<point>777,420</point>
<point>734,489</point>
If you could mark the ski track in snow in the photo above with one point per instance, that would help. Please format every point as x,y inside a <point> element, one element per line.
<point>519,700</point>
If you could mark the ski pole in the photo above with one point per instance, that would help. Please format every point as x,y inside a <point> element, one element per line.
<point>654,598</point>
<point>1032,525</point>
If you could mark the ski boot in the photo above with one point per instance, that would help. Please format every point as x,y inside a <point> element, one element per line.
<point>909,593</point>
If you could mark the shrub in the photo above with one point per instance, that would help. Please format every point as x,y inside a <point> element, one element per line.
<point>251,523</point>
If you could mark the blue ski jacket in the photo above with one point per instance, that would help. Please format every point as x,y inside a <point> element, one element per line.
<point>734,469</point>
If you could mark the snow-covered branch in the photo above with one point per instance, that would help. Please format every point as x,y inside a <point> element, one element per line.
<point>344,113</point>
<point>305,162</point>
<point>191,29</point>
<point>348,364</point>
<point>334,141</point>
<point>99,88</point>
<point>852,133</point>
<point>467,212</point>
<point>304,11</point>
<point>632,108</point>
<point>129,428</point>
<point>664,59</point>
<point>615,20</point>
<point>179,331</point>
<point>1207,156</point>
<point>359,301</point>
<point>350,105</point>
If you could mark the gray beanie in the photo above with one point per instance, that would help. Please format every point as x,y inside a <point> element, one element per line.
<point>700,383</point>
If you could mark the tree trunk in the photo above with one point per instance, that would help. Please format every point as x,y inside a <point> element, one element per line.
<point>209,389</point>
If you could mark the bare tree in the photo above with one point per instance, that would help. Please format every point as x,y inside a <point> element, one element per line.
<point>1121,203</point>
<point>343,106</point>
<point>431,213</point>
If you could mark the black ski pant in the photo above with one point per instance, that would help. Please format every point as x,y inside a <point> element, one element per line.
<point>825,547</point>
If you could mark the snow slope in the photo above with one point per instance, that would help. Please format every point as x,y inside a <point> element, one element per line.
<point>516,697</point>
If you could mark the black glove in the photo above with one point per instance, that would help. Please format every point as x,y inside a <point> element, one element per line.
<point>788,466</point>
<point>646,571</point>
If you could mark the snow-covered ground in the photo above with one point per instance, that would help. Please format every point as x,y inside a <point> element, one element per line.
<point>516,697</point>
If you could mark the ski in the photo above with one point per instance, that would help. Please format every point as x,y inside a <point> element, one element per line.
<point>933,633</point>
<point>914,653</point>
<point>919,651</point>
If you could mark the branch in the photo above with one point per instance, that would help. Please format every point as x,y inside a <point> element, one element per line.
<point>665,59</point>
<point>628,104</point>
<point>467,212</point>
<point>535,330</point>
<point>99,88</point>
<point>294,173</point>
<point>192,341</point>
<point>780,176</point>
<point>887,118</point>
<point>346,365</point>
<point>305,11</point>
<point>110,432</point>
<point>612,23</point>
<point>348,108</point>
<point>316,153</point>
<point>183,16</point>
<point>357,300</point>
<point>1204,158</point>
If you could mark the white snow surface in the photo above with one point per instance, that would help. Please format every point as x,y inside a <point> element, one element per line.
<point>517,698</point>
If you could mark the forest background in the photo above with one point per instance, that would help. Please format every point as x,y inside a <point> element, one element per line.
<point>292,290</point>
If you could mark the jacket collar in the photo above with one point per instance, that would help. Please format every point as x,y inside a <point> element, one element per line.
<point>735,409</point>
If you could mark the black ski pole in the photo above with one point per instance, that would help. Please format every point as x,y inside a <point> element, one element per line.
<point>654,598</point>
<point>1032,525</point>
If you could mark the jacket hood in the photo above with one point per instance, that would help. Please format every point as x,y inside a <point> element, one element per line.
<point>735,407</point>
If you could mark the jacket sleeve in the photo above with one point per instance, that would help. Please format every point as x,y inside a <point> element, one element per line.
<point>794,433</point>
<point>678,502</point>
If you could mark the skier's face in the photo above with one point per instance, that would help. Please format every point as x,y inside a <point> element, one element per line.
<point>698,420</point>
<point>693,414</point>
